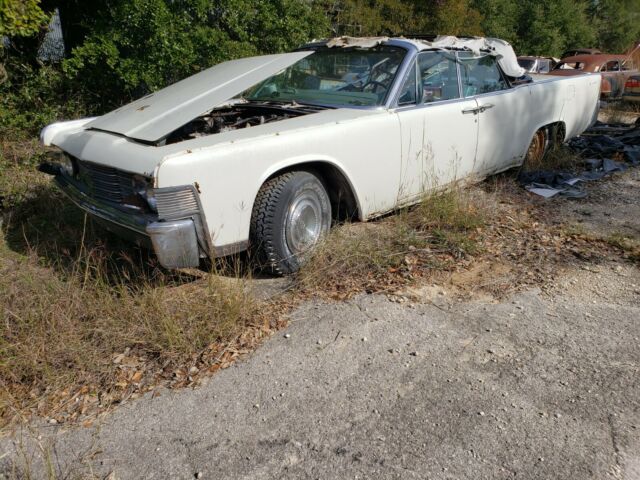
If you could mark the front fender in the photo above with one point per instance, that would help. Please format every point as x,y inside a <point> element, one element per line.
<point>49,133</point>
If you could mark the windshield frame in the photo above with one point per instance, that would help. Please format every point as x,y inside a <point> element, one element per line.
<point>391,92</point>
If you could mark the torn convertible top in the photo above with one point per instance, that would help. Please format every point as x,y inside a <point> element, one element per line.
<point>503,51</point>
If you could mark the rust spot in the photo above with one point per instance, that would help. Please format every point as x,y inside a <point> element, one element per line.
<point>139,109</point>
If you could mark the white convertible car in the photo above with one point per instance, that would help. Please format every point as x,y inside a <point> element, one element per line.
<point>264,152</point>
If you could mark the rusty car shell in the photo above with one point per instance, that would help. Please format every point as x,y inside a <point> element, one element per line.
<point>632,89</point>
<point>580,51</point>
<point>614,71</point>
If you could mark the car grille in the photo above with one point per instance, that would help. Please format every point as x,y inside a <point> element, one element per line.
<point>106,183</point>
<point>115,186</point>
<point>176,203</point>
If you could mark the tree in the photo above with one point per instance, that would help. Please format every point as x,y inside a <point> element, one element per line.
<point>448,17</point>
<point>18,18</point>
<point>367,17</point>
<point>499,18</point>
<point>136,46</point>
<point>402,17</point>
<point>21,18</point>
<point>548,27</point>
<point>618,23</point>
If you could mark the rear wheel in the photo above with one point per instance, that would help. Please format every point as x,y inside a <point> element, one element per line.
<point>537,149</point>
<point>292,212</point>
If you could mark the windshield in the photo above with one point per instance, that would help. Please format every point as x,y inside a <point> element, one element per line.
<point>338,76</point>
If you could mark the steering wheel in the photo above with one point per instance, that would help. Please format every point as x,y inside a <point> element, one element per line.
<point>375,85</point>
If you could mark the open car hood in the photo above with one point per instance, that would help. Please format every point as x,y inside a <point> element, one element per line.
<point>158,114</point>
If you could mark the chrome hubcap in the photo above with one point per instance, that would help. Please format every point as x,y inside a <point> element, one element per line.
<point>303,226</point>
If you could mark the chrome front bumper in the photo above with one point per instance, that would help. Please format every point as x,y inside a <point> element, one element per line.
<point>176,242</point>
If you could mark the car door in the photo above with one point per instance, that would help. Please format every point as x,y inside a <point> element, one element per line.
<point>502,114</point>
<point>438,133</point>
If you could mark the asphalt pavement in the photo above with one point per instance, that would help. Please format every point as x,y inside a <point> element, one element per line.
<point>536,386</point>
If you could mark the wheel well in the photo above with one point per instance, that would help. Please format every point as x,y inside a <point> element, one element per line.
<point>344,205</point>
<point>557,133</point>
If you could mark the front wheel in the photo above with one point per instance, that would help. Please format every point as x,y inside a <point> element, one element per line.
<point>292,212</point>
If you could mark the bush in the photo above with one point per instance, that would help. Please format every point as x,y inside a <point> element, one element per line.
<point>32,97</point>
<point>143,45</point>
<point>122,50</point>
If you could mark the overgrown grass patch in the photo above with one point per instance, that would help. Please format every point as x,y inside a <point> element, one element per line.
<point>628,244</point>
<point>68,335</point>
<point>89,320</point>
<point>557,158</point>
<point>373,256</point>
<point>620,112</point>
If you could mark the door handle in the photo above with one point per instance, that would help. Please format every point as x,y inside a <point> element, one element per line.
<point>467,111</point>
<point>485,106</point>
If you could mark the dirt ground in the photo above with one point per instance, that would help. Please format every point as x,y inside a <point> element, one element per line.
<point>461,377</point>
<point>612,208</point>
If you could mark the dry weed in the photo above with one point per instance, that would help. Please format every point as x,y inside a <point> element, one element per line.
<point>89,320</point>
<point>378,255</point>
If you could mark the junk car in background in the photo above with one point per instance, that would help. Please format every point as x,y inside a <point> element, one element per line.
<point>265,152</point>
<point>632,89</point>
<point>580,51</point>
<point>614,70</point>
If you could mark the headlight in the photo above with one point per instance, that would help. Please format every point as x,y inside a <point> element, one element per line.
<point>67,165</point>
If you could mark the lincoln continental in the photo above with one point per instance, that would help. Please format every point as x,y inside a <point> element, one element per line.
<point>264,153</point>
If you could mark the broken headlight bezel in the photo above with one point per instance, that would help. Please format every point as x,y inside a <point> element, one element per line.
<point>141,186</point>
<point>65,163</point>
<point>150,197</point>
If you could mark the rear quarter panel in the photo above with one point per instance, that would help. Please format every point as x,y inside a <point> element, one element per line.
<point>581,104</point>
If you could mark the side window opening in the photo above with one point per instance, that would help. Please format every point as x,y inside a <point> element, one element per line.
<point>438,77</point>
<point>612,66</point>
<point>480,74</point>
<point>408,92</point>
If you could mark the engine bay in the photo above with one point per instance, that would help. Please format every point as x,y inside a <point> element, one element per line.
<point>233,117</point>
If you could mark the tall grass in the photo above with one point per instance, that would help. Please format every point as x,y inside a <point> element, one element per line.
<point>87,316</point>
<point>65,332</point>
<point>443,226</point>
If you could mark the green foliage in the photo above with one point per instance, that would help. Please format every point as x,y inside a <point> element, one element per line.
<point>143,45</point>
<point>20,18</point>
<point>450,17</point>
<point>402,17</point>
<point>499,18</point>
<point>548,27</point>
<point>617,23</point>
<point>538,27</point>
<point>367,17</point>
<point>32,97</point>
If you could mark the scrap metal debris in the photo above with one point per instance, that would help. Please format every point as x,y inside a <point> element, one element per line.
<point>606,148</point>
